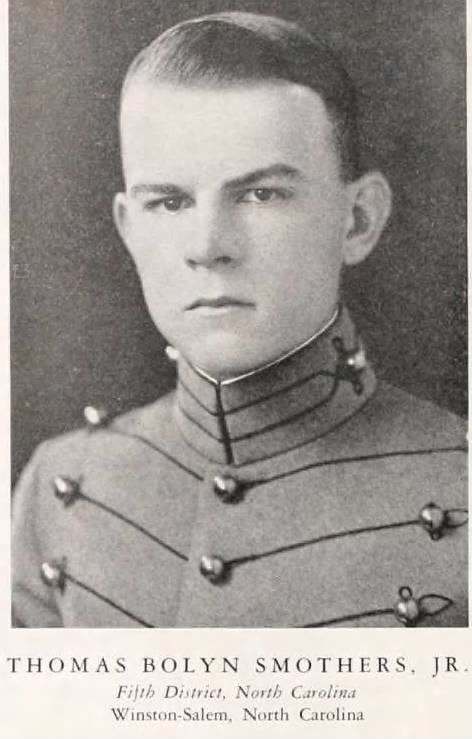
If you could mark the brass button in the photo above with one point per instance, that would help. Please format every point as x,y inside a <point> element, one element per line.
<point>228,489</point>
<point>66,489</point>
<point>350,364</point>
<point>172,353</point>
<point>213,568</point>
<point>357,359</point>
<point>407,609</point>
<point>433,519</point>
<point>52,573</point>
<point>95,417</point>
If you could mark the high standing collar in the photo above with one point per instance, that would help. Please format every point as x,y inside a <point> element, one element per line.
<point>285,405</point>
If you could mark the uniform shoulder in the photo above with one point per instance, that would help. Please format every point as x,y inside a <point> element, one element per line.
<point>69,449</point>
<point>148,417</point>
<point>402,415</point>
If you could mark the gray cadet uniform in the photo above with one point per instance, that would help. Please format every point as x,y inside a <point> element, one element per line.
<point>305,494</point>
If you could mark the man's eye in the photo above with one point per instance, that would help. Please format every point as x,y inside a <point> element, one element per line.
<point>172,204</point>
<point>262,195</point>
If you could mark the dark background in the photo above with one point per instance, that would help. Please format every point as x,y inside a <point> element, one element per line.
<point>80,333</point>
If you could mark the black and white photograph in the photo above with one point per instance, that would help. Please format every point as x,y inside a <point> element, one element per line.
<point>238,314</point>
<point>235,384</point>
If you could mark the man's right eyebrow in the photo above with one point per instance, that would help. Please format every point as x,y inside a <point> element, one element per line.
<point>164,188</point>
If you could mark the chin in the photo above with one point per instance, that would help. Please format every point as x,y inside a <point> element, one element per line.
<point>222,370</point>
<point>221,361</point>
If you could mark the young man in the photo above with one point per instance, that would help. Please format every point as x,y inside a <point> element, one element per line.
<point>280,485</point>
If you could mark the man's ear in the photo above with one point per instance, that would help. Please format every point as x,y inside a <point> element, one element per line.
<point>370,202</point>
<point>121,217</point>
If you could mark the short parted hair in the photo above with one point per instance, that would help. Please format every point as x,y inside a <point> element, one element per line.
<point>235,47</point>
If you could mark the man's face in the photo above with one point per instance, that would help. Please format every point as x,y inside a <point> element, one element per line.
<point>235,214</point>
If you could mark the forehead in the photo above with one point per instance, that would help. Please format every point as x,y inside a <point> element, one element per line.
<point>194,133</point>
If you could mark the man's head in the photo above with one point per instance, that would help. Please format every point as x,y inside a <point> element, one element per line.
<point>243,191</point>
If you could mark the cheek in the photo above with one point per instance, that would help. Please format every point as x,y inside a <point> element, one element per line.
<point>155,250</point>
<point>157,272</point>
<point>307,241</point>
<point>299,264</point>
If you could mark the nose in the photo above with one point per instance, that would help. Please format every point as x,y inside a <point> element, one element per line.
<point>214,242</point>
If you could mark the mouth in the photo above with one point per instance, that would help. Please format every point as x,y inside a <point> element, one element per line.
<point>222,303</point>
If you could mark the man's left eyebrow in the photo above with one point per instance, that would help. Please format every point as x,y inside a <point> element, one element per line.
<point>253,177</point>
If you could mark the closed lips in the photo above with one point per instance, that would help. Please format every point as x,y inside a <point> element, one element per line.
<point>220,302</point>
